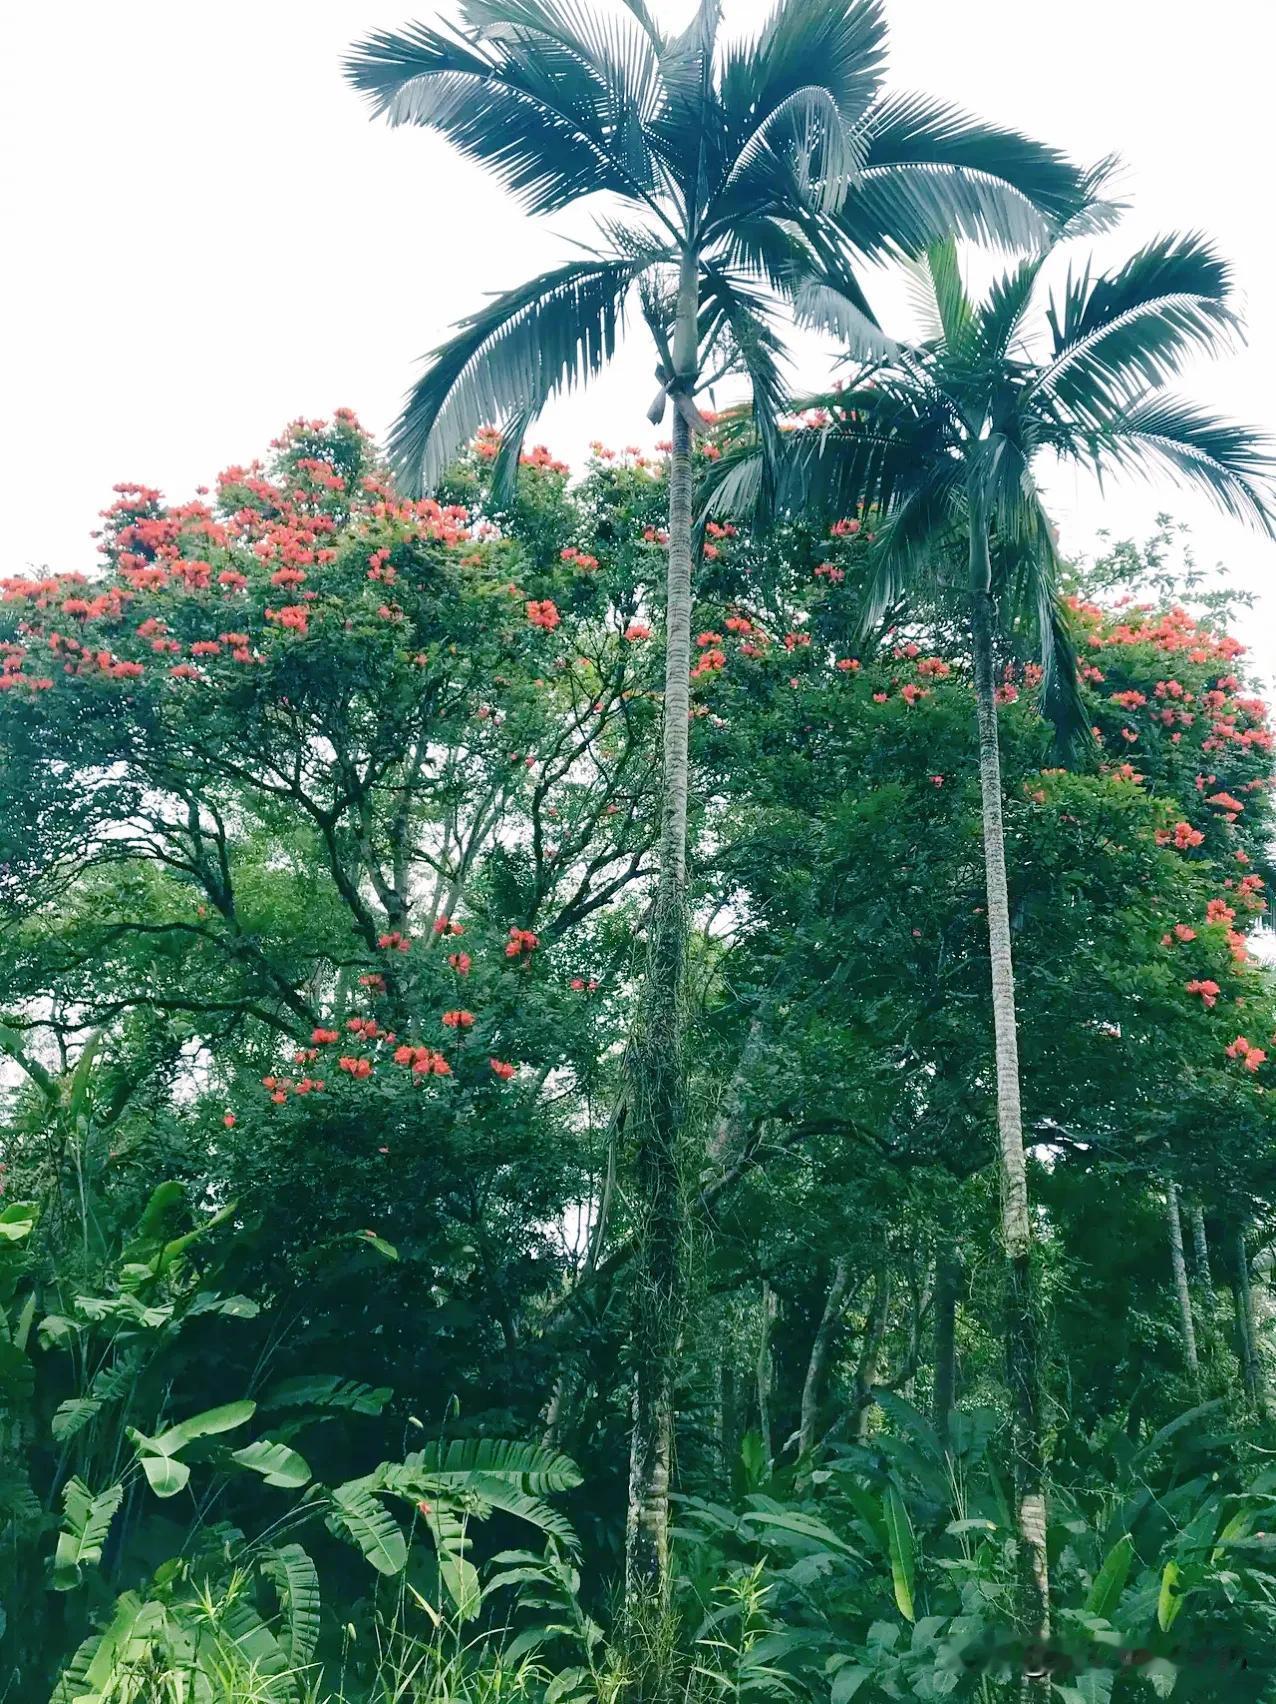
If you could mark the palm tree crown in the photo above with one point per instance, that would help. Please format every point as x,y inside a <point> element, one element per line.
<point>761,167</point>
<point>945,437</point>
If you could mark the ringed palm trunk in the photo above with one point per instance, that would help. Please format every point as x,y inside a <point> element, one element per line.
<point>1178,1265</point>
<point>1023,1350</point>
<point>658,1060</point>
<point>947,1282</point>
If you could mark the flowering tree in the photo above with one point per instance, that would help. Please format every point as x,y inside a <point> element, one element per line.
<point>749,178</point>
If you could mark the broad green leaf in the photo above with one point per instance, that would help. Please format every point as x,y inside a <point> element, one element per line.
<point>293,1574</point>
<point>1169,1600</point>
<point>205,1425</point>
<point>72,1415</point>
<point>530,1466</point>
<point>326,1390</point>
<point>899,1532</point>
<point>847,1682</point>
<point>167,1475</point>
<point>357,1512</point>
<point>461,1581</point>
<point>277,1464</point>
<point>1109,1582</point>
<point>87,1523</point>
<point>370,1239</point>
<point>17,1221</point>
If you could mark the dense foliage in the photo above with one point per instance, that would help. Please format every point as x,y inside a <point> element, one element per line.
<point>327,852</point>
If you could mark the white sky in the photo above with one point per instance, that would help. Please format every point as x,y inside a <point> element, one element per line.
<point>206,236</point>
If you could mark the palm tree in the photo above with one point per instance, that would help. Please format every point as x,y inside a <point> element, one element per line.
<point>945,439</point>
<point>739,179</point>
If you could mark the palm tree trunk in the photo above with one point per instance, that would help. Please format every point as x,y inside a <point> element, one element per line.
<point>1201,1248</point>
<point>947,1281</point>
<point>817,1361</point>
<point>1246,1344</point>
<point>764,1371</point>
<point>658,1060</point>
<point>878,1318</point>
<point>1179,1267</point>
<point>1023,1349</point>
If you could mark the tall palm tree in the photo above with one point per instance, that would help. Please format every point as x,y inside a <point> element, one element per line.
<point>739,179</point>
<point>946,440</point>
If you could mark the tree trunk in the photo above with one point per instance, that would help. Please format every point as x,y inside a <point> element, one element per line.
<point>871,1353</point>
<point>947,1282</point>
<point>1246,1344</point>
<point>658,1060</point>
<point>817,1361</point>
<point>1179,1267</point>
<point>1201,1248</point>
<point>770,1306</point>
<point>1023,1350</point>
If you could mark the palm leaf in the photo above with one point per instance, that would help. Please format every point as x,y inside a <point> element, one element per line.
<point>356,1513</point>
<point>1231,464</point>
<point>547,335</point>
<point>531,1466</point>
<point>537,119</point>
<point>296,1581</point>
<point>1118,334</point>
<point>87,1521</point>
<point>931,171</point>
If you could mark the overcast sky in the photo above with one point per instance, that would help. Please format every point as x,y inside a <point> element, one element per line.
<point>207,237</point>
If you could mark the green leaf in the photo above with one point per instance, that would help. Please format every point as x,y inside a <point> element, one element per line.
<point>276,1463</point>
<point>87,1523</point>
<point>167,1476</point>
<point>899,1532</point>
<point>461,1580</point>
<point>357,1512</point>
<point>167,1200</point>
<point>1169,1600</point>
<point>17,1221</point>
<point>326,1390</point>
<point>847,1682</point>
<point>72,1415</point>
<point>17,1376</point>
<point>205,1425</point>
<point>370,1239</point>
<point>1109,1582</point>
<point>530,1466</point>
<point>296,1581</point>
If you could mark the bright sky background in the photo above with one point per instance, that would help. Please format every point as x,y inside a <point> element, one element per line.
<point>207,237</point>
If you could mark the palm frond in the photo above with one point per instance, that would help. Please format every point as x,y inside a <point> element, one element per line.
<point>746,317</point>
<point>538,120</point>
<point>1028,577</point>
<point>913,542</point>
<point>612,46</point>
<point>1001,314</point>
<point>547,335</point>
<point>930,171</point>
<point>687,133</point>
<point>798,90</point>
<point>821,306</point>
<point>1233,465</point>
<point>953,306</point>
<point>1116,334</point>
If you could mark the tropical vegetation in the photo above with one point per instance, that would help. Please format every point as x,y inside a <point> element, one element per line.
<point>574,1126</point>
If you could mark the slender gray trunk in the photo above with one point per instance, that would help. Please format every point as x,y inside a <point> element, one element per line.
<point>1201,1248</point>
<point>947,1282</point>
<point>658,1061</point>
<point>1246,1340</point>
<point>871,1352</point>
<point>1023,1350</point>
<point>765,1370</point>
<point>817,1361</point>
<point>1179,1267</point>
